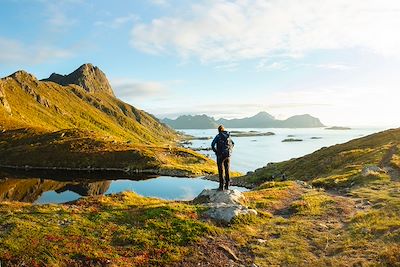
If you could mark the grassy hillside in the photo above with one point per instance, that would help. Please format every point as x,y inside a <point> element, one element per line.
<point>340,166</point>
<point>43,123</point>
<point>297,224</point>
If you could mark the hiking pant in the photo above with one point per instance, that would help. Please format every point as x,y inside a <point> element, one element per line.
<point>223,166</point>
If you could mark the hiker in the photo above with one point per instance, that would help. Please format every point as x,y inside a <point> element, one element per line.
<point>222,146</point>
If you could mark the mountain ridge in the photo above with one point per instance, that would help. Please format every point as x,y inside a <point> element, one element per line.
<point>46,124</point>
<point>260,120</point>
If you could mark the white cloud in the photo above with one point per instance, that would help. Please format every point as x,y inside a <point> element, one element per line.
<point>15,52</point>
<point>130,88</point>
<point>228,30</point>
<point>331,66</point>
<point>117,22</point>
<point>265,65</point>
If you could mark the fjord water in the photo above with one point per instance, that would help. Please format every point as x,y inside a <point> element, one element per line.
<point>249,154</point>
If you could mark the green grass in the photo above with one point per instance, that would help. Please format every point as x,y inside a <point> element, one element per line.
<point>124,229</point>
<point>337,166</point>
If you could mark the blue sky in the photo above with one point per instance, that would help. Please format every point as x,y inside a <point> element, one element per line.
<point>337,60</point>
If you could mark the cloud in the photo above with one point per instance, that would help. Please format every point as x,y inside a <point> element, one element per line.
<point>56,12</point>
<point>159,2</point>
<point>117,22</point>
<point>15,52</point>
<point>232,66</point>
<point>226,30</point>
<point>331,66</point>
<point>130,88</point>
<point>265,65</point>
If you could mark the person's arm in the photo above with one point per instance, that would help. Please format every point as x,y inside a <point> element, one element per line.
<point>213,143</point>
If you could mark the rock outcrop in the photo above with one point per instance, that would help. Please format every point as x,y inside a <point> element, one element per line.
<point>89,77</point>
<point>223,206</point>
<point>3,99</point>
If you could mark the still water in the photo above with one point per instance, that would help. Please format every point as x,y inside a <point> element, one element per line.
<point>249,154</point>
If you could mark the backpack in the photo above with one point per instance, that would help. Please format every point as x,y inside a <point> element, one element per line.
<point>224,145</point>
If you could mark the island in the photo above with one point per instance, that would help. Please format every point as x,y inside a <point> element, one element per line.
<point>338,128</point>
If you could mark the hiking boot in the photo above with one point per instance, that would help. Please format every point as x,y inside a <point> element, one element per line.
<point>226,187</point>
<point>220,188</point>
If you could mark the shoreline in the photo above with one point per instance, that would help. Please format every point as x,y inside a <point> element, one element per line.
<point>88,170</point>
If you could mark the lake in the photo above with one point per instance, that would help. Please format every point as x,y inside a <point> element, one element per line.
<point>249,154</point>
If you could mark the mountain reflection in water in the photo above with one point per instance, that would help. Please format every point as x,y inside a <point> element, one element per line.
<point>29,186</point>
<point>29,190</point>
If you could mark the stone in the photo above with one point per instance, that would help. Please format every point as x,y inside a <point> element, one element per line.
<point>223,206</point>
<point>367,170</point>
<point>214,196</point>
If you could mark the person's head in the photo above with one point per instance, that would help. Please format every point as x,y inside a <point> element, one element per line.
<point>221,128</point>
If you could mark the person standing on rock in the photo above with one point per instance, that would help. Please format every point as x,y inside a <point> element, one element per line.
<point>222,146</point>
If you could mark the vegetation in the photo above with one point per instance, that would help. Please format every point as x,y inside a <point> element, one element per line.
<point>340,166</point>
<point>297,224</point>
<point>44,124</point>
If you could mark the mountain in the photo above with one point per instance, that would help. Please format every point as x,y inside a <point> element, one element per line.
<point>300,121</point>
<point>260,120</point>
<point>192,122</point>
<point>76,121</point>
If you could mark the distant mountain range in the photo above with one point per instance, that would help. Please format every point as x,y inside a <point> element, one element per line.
<point>260,120</point>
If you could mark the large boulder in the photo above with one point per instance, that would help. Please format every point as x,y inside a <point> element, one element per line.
<point>223,206</point>
<point>216,196</point>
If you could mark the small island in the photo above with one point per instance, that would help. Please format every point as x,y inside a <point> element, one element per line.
<point>338,128</point>
<point>292,140</point>
<point>250,133</point>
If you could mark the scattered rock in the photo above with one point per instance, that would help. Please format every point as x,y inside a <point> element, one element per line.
<point>367,170</point>
<point>229,252</point>
<point>304,184</point>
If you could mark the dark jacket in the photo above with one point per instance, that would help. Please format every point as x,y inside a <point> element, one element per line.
<point>223,134</point>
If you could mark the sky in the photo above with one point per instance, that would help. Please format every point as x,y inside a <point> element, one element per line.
<point>337,60</point>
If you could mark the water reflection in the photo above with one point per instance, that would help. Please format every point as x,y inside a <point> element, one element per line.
<point>55,187</point>
<point>30,190</point>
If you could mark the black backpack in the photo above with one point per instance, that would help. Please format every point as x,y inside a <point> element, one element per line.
<point>224,145</point>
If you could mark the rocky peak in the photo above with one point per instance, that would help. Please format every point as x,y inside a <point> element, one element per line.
<point>89,77</point>
<point>23,76</point>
